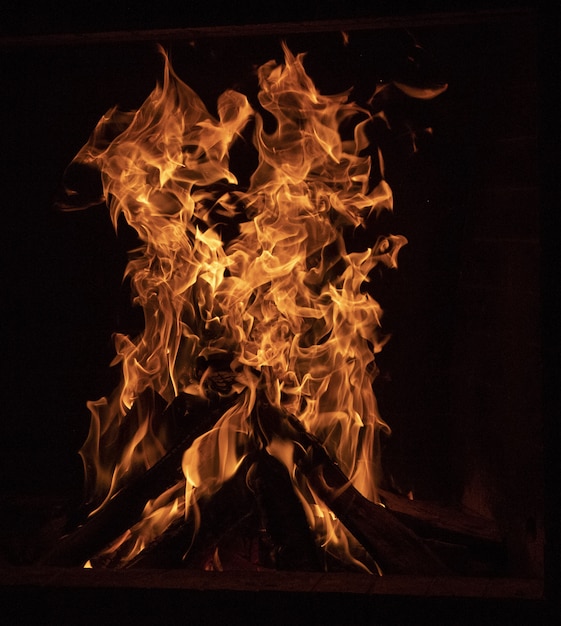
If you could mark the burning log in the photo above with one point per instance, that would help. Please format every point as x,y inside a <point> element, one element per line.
<point>390,543</point>
<point>285,533</point>
<point>125,507</point>
<point>396,548</point>
<point>255,512</point>
<point>188,542</point>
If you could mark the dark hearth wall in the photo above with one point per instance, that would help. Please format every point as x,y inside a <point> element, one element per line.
<point>496,370</point>
<point>466,358</point>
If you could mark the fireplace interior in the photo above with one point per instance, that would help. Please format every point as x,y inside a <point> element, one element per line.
<point>462,380</point>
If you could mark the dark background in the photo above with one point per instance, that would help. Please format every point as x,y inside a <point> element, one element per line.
<point>462,381</point>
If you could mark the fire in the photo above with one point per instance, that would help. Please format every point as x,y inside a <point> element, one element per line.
<point>275,312</point>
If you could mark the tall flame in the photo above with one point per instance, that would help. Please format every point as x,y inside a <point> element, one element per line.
<point>282,302</point>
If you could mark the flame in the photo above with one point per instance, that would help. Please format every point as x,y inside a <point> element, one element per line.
<point>282,302</point>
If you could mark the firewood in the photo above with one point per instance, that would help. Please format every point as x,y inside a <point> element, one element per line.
<point>259,504</point>
<point>188,541</point>
<point>392,545</point>
<point>286,538</point>
<point>396,548</point>
<point>125,508</point>
<point>469,543</point>
<point>443,523</point>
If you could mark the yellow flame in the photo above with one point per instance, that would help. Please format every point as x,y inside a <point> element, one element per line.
<point>284,295</point>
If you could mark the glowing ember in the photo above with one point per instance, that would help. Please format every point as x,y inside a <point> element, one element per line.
<point>276,310</point>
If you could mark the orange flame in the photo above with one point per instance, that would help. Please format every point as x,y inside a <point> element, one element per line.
<point>283,302</point>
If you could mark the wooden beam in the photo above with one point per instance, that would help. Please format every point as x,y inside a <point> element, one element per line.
<point>274,29</point>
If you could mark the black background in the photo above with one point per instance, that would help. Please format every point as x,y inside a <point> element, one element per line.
<point>63,298</point>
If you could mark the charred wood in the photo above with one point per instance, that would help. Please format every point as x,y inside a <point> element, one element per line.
<point>256,512</point>
<point>279,522</point>
<point>124,509</point>
<point>469,543</point>
<point>442,523</point>
<point>227,527</point>
<point>396,548</point>
<point>191,543</point>
<point>286,539</point>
